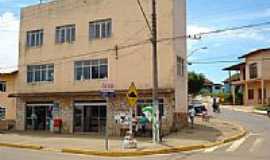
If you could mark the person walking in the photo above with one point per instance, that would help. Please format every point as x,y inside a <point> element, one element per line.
<point>214,105</point>
<point>192,113</point>
<point>143,121</point>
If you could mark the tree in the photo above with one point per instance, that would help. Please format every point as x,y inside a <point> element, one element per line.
<point>195,83</point>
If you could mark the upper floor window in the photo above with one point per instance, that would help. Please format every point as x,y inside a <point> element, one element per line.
<point>180,66</point>
<point>100,29</point>
<point>39,73</point>
<point>253,71</point>
<point>65,34</point>
<point>2,113</point>
<point>35,38</point>
<point>91,69</point>
<point>3,86</point>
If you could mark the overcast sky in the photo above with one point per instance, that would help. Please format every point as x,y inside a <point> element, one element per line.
<point>203,15</point>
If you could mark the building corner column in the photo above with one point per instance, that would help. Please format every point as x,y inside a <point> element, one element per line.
<point>262,90</point>
<point>20,114</point>
<point>246,94</point>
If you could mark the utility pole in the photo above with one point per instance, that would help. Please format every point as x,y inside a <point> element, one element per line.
<point>153,29</point>
<point>156,135</point>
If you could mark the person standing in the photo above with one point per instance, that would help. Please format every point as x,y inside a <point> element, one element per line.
<point>214,104</point>
<point>192,114</point>
<point>34,121</point>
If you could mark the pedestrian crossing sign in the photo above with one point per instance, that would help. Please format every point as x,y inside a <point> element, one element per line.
<point>132,95</point>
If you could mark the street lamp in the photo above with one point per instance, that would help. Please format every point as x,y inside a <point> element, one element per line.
<point>196,50</point>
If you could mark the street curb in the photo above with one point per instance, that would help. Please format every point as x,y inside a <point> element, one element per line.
<point>241,134</point>
<point>120,153</point>
<point>259,112</point>
<point>23,146</point>
<point>133,153</point>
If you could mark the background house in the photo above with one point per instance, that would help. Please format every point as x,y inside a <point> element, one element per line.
<point>7,86</point>
<point>254,77</point>
<point>213,88</point>
<point>7,105</point>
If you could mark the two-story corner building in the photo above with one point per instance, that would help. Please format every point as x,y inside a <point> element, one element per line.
<point>68,48</point>
<point>7,86</point>
<point>254,81</point>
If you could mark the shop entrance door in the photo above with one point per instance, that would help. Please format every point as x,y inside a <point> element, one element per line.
<point>38,117</point>
<point>90,117</point>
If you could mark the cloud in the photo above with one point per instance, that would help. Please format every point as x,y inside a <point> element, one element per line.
<point>9,33</point>
<point>250,15</point>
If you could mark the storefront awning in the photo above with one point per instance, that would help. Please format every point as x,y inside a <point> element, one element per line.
<point>236,67</point>
<point>142,92</point>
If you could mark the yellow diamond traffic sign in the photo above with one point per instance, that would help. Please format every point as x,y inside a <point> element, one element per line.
<point>132,95</point>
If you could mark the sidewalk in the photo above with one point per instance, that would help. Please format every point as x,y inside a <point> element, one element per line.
<point>204,132</point>
<point>247,109</point>
<point>239,108</point>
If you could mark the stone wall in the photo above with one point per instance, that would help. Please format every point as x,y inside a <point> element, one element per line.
<point>20,114</point>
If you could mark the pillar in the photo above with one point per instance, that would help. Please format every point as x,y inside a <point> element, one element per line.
<point>20,114</point>
<point>262,86</point>
<point>246,94</point>
<point>233,94</point>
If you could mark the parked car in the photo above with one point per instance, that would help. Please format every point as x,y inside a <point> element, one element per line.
<point>198,106</point>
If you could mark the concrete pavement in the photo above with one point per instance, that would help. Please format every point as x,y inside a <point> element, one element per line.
<point>241,108</point>
<point>252,147</point>
<point>203,133</point>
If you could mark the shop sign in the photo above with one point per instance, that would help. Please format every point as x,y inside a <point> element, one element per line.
<point>107,89</point>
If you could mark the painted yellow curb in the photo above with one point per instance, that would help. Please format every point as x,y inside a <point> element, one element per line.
<point>120,153</point>
<point>242,133</point>
<point>133,153</point>
<point>25,146</point>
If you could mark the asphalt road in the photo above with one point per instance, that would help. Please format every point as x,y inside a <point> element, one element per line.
<point>254,146</point>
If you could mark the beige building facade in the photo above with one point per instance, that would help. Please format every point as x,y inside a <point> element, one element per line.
<point>68,48</point>
<point>254,81</point>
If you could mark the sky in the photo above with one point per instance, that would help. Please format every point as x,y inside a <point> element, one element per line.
<point>202,16</point>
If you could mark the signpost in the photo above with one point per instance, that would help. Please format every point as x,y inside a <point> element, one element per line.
<point>132,97</point>
<point>107,91</point>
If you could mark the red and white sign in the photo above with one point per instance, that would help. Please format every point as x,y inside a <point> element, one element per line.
<point>107,86</point>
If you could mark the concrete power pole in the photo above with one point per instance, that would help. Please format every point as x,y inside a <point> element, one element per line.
<point>156,132</point>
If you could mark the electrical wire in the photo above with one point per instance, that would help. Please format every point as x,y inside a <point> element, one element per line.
<point>159,41</point>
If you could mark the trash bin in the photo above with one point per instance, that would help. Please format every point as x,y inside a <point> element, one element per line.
<point>57,125</point>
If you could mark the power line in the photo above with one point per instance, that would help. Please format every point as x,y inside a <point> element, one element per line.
<point>91,53</point>
<point>200,34</point>
<point>161,40</point>
<point>211,62</point>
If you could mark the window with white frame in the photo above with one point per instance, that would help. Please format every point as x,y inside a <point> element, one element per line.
<point>91,69</point>
<point>3,86</point>
<point>40,73</point>
<point>35,38</point>
<point>180,64</point>
<point>65,34</point>
<point>2,113</point>
<point>100,29</point>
